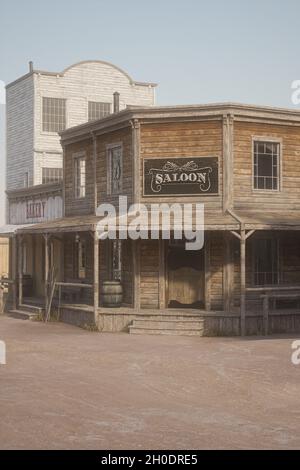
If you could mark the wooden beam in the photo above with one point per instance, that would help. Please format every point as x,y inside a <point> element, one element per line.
<point>237,235</point>
<point>248,234</point>
<point>162,274</point>
<point>243,282</point>
<point>96,277</point>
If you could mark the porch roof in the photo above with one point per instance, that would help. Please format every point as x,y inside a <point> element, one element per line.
<point>9,230</point>
<point>212,221</point>
<point>259,220</point>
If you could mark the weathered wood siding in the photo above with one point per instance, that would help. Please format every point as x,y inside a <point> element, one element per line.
<point>124,138</point>
<point>149,281</point>
<point>247,198</point>
<point>216,270</point>
<point>73,205</point>
<point>184,139</point>
<point>20,132</point>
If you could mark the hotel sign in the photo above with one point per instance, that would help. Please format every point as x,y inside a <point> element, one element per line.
<point>181,176</point>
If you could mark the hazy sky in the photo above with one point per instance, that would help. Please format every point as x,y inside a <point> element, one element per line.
<point>198,51</point>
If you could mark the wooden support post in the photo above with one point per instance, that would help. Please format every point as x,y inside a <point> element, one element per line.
<point>96,277</point>
<point>227,162</point>
<point>227,273</point>
<point>266,315</point>
<point>136,274</point>
<point>162,275</point>
<point>20,269</point>
<point>243,282</point>
<point>207,287</point>
<point>14,271</point>
<point>136,131</point>
<point>46,237</point>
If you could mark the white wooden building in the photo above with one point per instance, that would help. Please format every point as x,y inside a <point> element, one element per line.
<point>40,104</point>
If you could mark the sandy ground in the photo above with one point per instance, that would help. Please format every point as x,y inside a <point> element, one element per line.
<point>66,388</point>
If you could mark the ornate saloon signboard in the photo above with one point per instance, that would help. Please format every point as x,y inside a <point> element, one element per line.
<point>181,176</point>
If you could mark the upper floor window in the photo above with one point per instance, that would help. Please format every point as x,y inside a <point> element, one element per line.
<point>115,170</point>
<point>79,174</point>
<point>98,110</point>
<point>54,114</point>
<point>51,175</point>
<point>266,165</point>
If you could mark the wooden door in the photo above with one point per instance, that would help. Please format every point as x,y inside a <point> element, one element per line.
<point>185,277</point>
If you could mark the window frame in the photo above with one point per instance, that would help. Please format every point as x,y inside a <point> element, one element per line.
<point>78,156</point>
<point>41,114</point>
<point>52,168</point>
<point>271,140</point>
<point>89,101</point>
<point>109,149</point>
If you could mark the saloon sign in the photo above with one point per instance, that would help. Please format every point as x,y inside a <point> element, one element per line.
<point>181,176</point>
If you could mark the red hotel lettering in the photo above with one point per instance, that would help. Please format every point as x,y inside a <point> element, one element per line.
<point>35,210</point>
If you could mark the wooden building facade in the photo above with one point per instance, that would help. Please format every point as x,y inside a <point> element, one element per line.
<point>241,162</point>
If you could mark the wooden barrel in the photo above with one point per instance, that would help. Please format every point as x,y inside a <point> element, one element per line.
<point>112,293</point>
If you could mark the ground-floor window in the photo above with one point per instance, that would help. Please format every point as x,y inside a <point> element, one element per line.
<point>266,261</point>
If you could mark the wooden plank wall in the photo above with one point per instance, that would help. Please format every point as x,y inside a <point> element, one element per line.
<point>74,206</point>
<point>124,137</point>
<point>184,139</point>
<point>216,270</point>
<point>289,196</point>
<point>149,274</point>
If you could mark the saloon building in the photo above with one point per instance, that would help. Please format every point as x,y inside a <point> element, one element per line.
<point>242,162</point>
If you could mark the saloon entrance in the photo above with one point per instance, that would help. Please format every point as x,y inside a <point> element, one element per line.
<point>185,276</point>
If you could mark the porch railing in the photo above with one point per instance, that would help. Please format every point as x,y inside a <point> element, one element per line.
<point>268,293</point>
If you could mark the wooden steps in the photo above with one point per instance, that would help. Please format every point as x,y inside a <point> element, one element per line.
<point>27,312</point>
<point>179,325</point>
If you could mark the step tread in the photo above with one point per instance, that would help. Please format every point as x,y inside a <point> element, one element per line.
<point>23,314</point>
<point>153,331</point>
